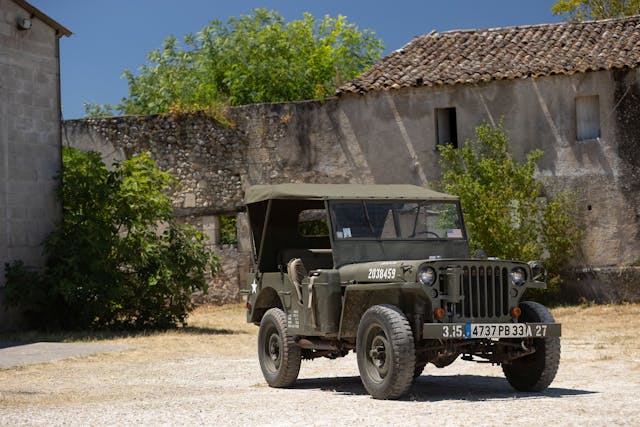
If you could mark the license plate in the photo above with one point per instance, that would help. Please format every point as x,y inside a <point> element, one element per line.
<point>504,330</point>
<point>490,330</point>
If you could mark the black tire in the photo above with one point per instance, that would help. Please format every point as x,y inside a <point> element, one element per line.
<point>536,371</point>
<point>417,371</point>
<point>386,352</point>
<point>279,356</point>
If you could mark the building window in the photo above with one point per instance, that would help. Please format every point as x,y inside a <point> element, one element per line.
<point>228,230</point>
<point>587,118</point>
<point>446,129</point>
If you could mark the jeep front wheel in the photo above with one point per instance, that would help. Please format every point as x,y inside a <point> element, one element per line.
<point>386,352</point>
<point>279,355</point>
<point>536,371</point>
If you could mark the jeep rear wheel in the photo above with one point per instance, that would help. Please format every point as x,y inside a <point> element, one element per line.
<point>279,355</point>
<point>386,353</point>
<point>536,371</point>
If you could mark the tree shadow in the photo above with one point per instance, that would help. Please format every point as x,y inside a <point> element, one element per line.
<point>197,330</point>
<point>30,337</point>
<point>438,388</point>
<point>8,344</point>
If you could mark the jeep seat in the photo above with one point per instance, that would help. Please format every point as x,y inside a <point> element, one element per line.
<point>312,259</point>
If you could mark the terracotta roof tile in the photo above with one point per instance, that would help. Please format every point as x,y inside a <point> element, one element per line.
<point>474,56</point>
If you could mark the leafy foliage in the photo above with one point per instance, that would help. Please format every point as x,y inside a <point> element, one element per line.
<point>585,10</point>
<point>314,228</point>
<point>504,210</point>
<point>250,59</point>
<point>119,258</point>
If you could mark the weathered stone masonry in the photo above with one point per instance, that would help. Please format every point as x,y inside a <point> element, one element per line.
<point>208,158</point>
<point>390,137</point>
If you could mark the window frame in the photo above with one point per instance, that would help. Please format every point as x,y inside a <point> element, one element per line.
<point>446,117</point>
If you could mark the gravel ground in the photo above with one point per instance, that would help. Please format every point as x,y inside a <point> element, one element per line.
<point>214,378</point>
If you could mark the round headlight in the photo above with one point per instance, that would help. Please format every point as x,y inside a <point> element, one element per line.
<point>518,276</point>
<point>427,276</point>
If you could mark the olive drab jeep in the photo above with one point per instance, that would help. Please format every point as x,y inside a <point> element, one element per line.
<point>385,271</point>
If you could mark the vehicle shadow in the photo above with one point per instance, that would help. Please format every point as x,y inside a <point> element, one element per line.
<point>447,387</point>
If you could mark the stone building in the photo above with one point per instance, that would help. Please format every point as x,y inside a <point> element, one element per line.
<point>570,89</point>
<point>29,132</point>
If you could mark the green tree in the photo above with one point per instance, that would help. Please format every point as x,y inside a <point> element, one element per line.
<point>250,59</point>
<point>119,259</point>
<point>505,212</point>
<point>585,10</point>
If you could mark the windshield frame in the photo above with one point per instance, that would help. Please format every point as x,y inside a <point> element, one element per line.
<point>339,233</point>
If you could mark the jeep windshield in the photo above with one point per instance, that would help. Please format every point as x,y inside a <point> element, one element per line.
<point>383,230</point>
<point>383,220</point>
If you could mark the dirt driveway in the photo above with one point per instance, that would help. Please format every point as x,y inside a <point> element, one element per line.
<point>208,374</point>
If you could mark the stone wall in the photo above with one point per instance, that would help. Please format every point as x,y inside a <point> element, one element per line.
<point>391,137</point>
<point>29,139</point>
<point>603,285</point>
<point>207,158</point>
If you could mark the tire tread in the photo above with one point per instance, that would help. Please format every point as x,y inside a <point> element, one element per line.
<point>535,381</point>
<point>403,353</point>
<point>291,353</point>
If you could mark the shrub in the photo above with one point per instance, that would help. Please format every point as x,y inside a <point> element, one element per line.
<point>505,211</point>
<point>118,259</point>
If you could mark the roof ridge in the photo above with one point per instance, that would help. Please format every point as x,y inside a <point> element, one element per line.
<point>527,26</point>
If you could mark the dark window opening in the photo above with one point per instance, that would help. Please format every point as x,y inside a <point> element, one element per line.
<point>446,127</point>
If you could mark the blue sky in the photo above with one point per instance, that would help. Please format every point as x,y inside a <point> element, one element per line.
<point>113,35</point>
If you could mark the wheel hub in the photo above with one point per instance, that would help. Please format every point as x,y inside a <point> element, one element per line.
<point>378,354</point>
<point>274,349</point>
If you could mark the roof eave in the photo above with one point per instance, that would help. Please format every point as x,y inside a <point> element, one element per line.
<point>61,30</point>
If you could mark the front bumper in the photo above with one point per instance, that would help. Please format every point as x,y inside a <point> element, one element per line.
<point>459,331</point>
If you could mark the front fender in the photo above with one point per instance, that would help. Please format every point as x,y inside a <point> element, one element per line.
<point>359,297</point>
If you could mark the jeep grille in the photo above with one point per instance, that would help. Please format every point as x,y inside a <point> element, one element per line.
<point>485,293</point>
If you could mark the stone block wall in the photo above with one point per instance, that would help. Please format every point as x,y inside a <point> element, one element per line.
<point>29,140</point>
<point>29,136</point>
<point>207,158</point>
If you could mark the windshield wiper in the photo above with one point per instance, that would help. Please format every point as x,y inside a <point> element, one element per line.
<point>366,216</point>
